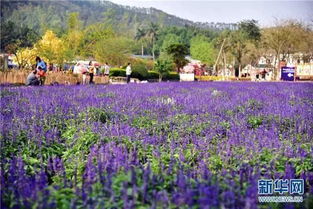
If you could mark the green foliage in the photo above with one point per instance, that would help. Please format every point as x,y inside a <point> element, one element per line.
<point>113,50</point>
<point>178,53</point>
<point>302,165</point>
<point>169,40</point>
<point>78,146</point>
<point>14,36</point>
<point>74,37</point>
<point>171,76</point>
<point>86,38</point>
<point>98,32</point>
<point>251,28</point>
<point>73,22</point>
<point>62,196</point>
<point>101,115</point>
<point>163,67</point>
<point>94,37</point>
<point>215,163</point>
<point>153,75</point>
<point>152,32</point>
<point>254,105</point>
<point>255,121</point>
<point>139,70</point>
<point>181,34</point>
<point>202,49</point>
<point>240,44</point>
<point>117,72</point>
<point>140,33</point>
<point>144,122</point>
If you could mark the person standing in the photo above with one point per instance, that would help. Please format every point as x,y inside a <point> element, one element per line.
<point>128,72</point>
<point>82,68</point>
<point>91,72</point>
<point>106,71</point>
<point>42,69</point>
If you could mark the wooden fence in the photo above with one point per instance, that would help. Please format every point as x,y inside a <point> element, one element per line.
<point>19,77</point>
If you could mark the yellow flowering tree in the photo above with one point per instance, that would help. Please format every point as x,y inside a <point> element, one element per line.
<point>25,57</point>
<point>51,48</point>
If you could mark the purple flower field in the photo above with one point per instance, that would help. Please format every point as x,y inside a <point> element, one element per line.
<point>160,145</point>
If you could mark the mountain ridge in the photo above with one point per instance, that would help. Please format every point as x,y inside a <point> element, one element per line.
<point>53,14</point>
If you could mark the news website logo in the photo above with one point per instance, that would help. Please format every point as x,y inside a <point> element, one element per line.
<point>288,190</point>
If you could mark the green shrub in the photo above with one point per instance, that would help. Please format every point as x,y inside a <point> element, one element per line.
<point>117,72</point>
<point>163,67</point>
<point>172,76</point>
<point>139,70</point>
<point>254,121</point>
<point>153,75</point>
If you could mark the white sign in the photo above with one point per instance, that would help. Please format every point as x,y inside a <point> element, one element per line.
<point>187,76</point>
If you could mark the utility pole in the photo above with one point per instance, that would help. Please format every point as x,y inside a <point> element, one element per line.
<point>224,70</point>
<point>5,63</point>
<point>218,56</point>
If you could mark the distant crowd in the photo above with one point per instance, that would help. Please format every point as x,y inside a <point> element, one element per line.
<point>38,76</point>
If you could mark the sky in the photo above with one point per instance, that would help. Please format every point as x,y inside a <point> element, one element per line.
<point>266,12</point>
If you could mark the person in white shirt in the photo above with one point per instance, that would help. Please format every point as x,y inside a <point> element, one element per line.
<point>128,72</point>
<point>83,70</point>
<point>95,70</point>
<point>106,69</point>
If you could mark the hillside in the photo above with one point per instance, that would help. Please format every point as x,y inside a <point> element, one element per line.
<point>39,15</point>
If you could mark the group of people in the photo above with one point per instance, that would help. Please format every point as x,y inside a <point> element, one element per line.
<point>92,70</point>
<point>38,75</point>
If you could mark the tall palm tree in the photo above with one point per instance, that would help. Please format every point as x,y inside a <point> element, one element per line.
<point>152,32</point>
<point>141,34</point>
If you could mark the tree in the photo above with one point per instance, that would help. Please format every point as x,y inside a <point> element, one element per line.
<point>163,67</point>
<point>51,48</point>
<point>73,42</point>
<point>170,39</point>
<point>73,22</point>
<point>113,50</point>
<point>223,44</point>
<point>140,35</point>
<point>202,49</point>
<point>178,53</point>
<point>94,34</point>
<point>25,57</point>
<point>242,40</point>
<point>251,28</point>
<point>284,39</point>
<point>152,32</point>
<point>16,36</point>
<point>238,41</point>
<point>240,44</point>
<point>307,45</point>
<point>73,38</point>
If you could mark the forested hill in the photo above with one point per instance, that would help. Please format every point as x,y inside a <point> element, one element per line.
<point>40,15</point>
